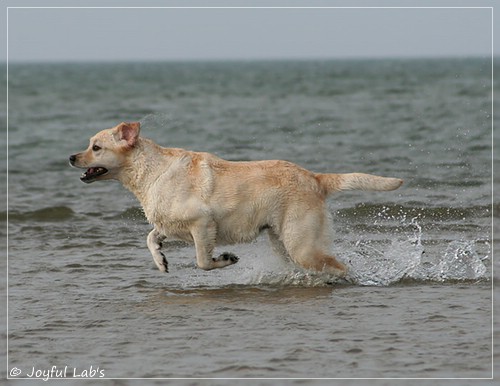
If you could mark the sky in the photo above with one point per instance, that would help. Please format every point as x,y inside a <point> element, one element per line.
<point>121,34</point>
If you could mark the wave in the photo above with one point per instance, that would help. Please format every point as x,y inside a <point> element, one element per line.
<point>396,211</point>
<point>360,211</point>
<point>53,213</point>
<point>64,213</point>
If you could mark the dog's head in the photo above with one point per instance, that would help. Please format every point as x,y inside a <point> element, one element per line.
<point>107,152</point>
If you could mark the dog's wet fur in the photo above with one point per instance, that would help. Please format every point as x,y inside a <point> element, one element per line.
<point>201,198</point>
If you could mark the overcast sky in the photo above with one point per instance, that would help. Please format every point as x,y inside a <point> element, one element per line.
<point>180,34</point>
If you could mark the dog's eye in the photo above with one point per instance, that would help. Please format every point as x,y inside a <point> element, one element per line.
<point>96,148</point>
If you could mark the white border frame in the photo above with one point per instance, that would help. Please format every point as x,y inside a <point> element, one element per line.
<point>9,377</point>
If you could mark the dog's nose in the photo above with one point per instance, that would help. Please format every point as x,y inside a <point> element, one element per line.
<point>72,159</point>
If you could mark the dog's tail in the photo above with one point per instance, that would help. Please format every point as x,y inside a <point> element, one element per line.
<point>356,181</point>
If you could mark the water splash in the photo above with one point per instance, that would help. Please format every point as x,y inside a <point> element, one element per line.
<point>459,262</point>
<point>388,264</point>
<point>157,120</point>
<point>406,258</point>
<point>382,259</point>
<point>258,266</point>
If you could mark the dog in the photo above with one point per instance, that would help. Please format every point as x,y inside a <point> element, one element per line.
<point>203,199</point>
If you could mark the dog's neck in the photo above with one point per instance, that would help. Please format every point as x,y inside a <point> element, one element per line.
<point>143,168</point>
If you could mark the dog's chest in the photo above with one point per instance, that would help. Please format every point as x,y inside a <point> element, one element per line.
<point>173,214</point>
<point>170,224</point>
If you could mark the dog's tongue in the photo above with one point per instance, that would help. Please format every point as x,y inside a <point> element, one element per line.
<point>94,170</point>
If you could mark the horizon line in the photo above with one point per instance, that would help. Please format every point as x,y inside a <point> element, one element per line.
<point>488,56</point>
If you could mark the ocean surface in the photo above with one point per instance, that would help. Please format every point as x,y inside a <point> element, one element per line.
<point>85,297</point>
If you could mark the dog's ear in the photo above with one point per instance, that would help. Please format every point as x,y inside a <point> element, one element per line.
<point>128,132</point>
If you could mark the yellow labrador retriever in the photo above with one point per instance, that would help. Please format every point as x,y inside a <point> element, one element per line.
<point>201,198</point>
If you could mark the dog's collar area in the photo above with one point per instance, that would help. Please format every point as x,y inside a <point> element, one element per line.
<point>92,173</point>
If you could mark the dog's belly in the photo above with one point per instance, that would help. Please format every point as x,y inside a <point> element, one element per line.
<point>241,231</point>
<point>226,237</point>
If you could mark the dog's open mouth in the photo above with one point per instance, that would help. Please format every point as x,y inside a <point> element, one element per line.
<point>92,173</point>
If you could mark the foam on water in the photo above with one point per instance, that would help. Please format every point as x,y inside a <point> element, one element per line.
<point>369,263</point>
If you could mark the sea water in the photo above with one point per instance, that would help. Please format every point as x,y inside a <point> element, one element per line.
<point>83,291</point>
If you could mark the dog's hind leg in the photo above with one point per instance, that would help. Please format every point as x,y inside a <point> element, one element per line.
<point>154,244</point>
<point>277,245</point>
<point>204,235</point>
<point>321,262</point>
<point>310,255</point>
<point>307,239</point>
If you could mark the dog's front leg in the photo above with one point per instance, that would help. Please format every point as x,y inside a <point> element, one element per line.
<point>204,235</point>
<point>154,244</point>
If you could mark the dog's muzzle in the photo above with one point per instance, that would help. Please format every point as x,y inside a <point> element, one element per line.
<point>91,174</point>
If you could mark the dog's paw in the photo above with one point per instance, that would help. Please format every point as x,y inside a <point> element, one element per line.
<point>228,257</point>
